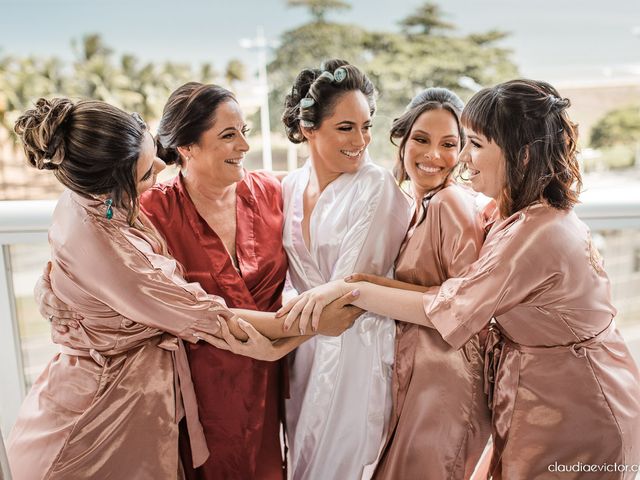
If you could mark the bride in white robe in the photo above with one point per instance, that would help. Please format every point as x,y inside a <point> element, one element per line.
<point>341,386</point>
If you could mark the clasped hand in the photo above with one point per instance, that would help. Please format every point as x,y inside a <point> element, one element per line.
<point>310,304</point>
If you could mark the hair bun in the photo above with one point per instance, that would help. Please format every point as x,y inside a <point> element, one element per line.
<point>291,114</point>
<point>42,133</point>
<point>168,155</point>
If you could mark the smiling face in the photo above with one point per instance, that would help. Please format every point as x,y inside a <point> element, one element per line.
<point>485,164</point>
<point>217,157</point>
<point>431,150</point>
<point>338,145</point>
<point>148,165</point>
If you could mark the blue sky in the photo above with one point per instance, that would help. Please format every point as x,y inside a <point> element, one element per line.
<point>552,39</point>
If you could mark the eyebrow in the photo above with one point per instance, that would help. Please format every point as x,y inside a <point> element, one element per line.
<point>350,122</point>
<point>475,137</point>
<point>428,134</point>
<point>228,128</point>
<point>233,129</point>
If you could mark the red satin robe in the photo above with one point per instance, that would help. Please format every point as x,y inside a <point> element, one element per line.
<point>239,399</point>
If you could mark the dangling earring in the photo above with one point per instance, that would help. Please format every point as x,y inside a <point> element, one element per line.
<point>108,202</point>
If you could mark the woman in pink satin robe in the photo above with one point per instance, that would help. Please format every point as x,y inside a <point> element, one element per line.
<point>109,404</point>
<point>563,387</point>
<point>438,396</point>
<point>224,226</point>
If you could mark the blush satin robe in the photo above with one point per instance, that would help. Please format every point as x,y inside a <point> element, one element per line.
<point>109,404</point>
<point>561,382</point>
<point>440,421</point>
<point>341,386</point>
<point>240,399</point>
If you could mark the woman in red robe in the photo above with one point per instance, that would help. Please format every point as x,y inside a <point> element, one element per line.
<point>224,226</point>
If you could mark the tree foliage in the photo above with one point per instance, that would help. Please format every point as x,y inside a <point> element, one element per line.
<point>425,52</point>
<point>97,73</point>
<point>427,19</point>
<point>319,8</point>
<point>617,127</point>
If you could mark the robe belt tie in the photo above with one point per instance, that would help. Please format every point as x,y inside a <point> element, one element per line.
<point>497,343</point>
<point>184,391</point>
<point>502,376</point>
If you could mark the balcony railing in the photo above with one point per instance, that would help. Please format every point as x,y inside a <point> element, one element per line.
<point>25,345</point>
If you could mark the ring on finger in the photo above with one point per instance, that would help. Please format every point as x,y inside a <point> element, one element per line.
<point>50,317</point>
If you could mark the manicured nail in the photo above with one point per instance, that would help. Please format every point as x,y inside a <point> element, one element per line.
<point>355,293</point>
<point>348,278</point>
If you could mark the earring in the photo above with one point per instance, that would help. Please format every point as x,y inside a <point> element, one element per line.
<point>108,202</point>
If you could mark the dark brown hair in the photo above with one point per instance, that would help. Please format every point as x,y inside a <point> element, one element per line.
<point>528,120</point>
<point>428,99</point>
<point>189,112</point>
<point>91,147</point>
<point>323,91</point>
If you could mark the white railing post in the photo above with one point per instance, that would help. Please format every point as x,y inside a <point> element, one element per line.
<point>13,385</point>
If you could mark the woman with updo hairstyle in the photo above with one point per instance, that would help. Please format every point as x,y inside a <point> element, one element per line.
<point>562,385</point>
<point>224,225</point>
<point>343,214</point>
<point>438,395</point>
<point>108,405</point>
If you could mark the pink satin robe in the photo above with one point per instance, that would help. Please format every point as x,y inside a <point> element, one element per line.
<point>562,384</point>
<point>240,399</point>
<point>108,406</point>
<point>440,421</point>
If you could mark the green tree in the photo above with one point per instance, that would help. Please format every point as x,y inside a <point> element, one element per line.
<point>235,71</point>
<point>426,52</point>
<point>617,127</point>
<point>427,19</point>
<point>319,8</point>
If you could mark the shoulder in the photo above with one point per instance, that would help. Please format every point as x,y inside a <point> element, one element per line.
<point>456,196</point>
<point>453,210</point>
<point>551,227</point>
<point>455,201</point>
<point>374,181</point>
<point>539,229</point>
<point>374,174</point>
<point>292,177</point>
<point>160,199</point>
<point>264,182</point>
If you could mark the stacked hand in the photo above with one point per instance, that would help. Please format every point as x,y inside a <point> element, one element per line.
<point>310,304</point>
<point>256,346</point>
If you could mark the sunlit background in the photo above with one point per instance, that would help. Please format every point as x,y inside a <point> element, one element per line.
<point>134,53</point>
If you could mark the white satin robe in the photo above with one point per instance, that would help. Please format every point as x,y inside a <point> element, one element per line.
<point>341,386</point>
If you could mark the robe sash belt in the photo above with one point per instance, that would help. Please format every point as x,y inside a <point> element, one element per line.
<point>502,375</point>
<point>185,394</point>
